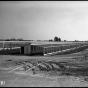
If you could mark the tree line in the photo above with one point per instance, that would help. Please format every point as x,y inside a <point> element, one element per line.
<point>55,39</point>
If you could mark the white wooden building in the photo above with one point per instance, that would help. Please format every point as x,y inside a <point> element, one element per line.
<point>26,49</point>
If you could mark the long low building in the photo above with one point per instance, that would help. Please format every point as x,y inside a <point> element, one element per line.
<point>28,48</point>
<point>49,48</point>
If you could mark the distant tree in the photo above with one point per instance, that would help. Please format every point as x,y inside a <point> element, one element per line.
<point>13,39</point>
<point>50,40</point>
<point>7,39</point>
<point>64,40</point>
<point>57,39</point>
<point>1,39</point>
<point>38,40</point>
<point>76,40</point>
<point>20,39</point>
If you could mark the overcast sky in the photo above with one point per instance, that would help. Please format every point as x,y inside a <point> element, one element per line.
<point>43,20</point>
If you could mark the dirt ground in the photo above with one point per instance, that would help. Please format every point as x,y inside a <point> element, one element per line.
<point>13,79</point>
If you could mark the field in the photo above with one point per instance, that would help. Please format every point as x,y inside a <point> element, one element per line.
<point>67,70</point>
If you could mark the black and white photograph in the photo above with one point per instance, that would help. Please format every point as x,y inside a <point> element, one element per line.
<point>43,43</point>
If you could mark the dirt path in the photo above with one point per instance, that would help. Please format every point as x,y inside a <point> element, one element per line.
<point>18,80</point>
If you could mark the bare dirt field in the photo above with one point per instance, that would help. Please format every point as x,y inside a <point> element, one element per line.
<point>75,73</point>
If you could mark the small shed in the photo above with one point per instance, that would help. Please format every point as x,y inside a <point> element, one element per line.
<point>26,49</point>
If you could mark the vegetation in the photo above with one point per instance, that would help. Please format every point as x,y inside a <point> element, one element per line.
<point>50,40</point>
<point>57,39</point>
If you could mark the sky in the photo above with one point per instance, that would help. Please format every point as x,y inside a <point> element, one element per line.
<point>43,20</point>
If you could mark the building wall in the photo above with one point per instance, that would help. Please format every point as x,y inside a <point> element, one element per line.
<point>10,52</point>
<point>15,44</point>
<point>1,45</point>
<point>45,49</point>
<point>27,49</point>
